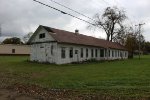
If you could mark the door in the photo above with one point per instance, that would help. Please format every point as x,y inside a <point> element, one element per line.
<point>47,49</point>
<point>49,53</point>
<point>76,56</point>
<point>42,53</point>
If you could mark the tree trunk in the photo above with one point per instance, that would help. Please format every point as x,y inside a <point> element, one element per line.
<point>108,36</point>
<point>111,32</point>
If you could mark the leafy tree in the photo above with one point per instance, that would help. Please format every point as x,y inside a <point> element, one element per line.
<point>131,44</point>
<point>132,41</point>
<point>147,47</point>
<point>109,21</point>
<point>13,40</point>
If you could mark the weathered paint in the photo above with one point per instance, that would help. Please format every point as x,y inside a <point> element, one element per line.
<point>48,37</point>
<point>51,51</point>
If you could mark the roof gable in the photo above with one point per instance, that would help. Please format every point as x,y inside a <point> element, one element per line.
<point>35,37</point>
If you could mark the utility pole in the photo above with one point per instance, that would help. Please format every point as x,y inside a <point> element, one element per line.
<point>0,30</point>
<point>139,31</point>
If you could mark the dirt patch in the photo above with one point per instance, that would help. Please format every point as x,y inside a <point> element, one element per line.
<point>34,92</point>
<point>6,94</point>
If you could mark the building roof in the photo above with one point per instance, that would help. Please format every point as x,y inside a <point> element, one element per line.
<point>62,36</point>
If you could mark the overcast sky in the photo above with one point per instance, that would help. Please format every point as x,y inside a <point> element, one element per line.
<point>18,17</point>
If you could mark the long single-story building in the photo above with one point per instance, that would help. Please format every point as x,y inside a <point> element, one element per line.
<point>14,49</point>
<point>61,47</point>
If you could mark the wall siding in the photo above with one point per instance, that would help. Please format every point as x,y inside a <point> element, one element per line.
<point>41,52</point>
<point>48,37</point>
<point>78,58</point>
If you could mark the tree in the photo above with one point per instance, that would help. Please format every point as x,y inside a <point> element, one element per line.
<point>27,37</point>
<point>131,44</point>
<point>147,47</point>
<point>13,40</point>
<point>121,35</point>
<point>109,21</point>
<point>132,41</point>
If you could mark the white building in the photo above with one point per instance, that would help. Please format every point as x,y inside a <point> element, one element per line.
<point>60,47</point>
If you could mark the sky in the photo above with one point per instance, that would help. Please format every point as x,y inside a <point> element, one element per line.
<point>19,17</point>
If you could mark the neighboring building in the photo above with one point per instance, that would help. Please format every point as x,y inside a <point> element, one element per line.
<point>14,49</point>
<point>60,47</point>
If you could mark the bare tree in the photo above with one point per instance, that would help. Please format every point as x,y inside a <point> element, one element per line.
<point>27,37</point>
<point>109,21</point>
<point>121,35</point>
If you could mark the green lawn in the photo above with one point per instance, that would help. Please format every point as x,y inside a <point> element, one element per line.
<point>126,78</point>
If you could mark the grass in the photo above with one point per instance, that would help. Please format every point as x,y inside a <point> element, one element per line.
<point>124,78</point>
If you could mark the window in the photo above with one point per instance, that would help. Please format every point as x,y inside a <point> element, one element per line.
<point>92,52</point>
<point>63,52</point>
<point>120,54</point>
<point>106,53</point>
<point>13,50</point>
<point>71,52</point>
<point>42,35</point>
<point>116,53</point>
<point>125,54</point>
<point>76,51</point>
<point>112,53</point>
<point>95,52</point>
<point>101,52</point>
<point>52,47</point>
<point>87,53</point>
<point>109,53</point>
<point>81,52</point>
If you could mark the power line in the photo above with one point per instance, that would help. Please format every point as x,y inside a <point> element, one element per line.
<point>63,12</point>
<point>71,9</point>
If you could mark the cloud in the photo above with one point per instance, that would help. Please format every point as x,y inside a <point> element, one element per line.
<point>18,17</point>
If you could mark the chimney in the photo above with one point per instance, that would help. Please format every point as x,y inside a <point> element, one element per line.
<point>76,31</point>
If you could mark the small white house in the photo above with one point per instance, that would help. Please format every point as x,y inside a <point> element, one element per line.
<point>61,47</point>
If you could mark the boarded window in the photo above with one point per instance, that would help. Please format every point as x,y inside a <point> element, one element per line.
<point>87,53</point>
<point>81,52</point>
<point>71,52</point>
<point>13,50</point>
<point>42,35</point>
<point>63,52</point>
<point>101,52</point>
